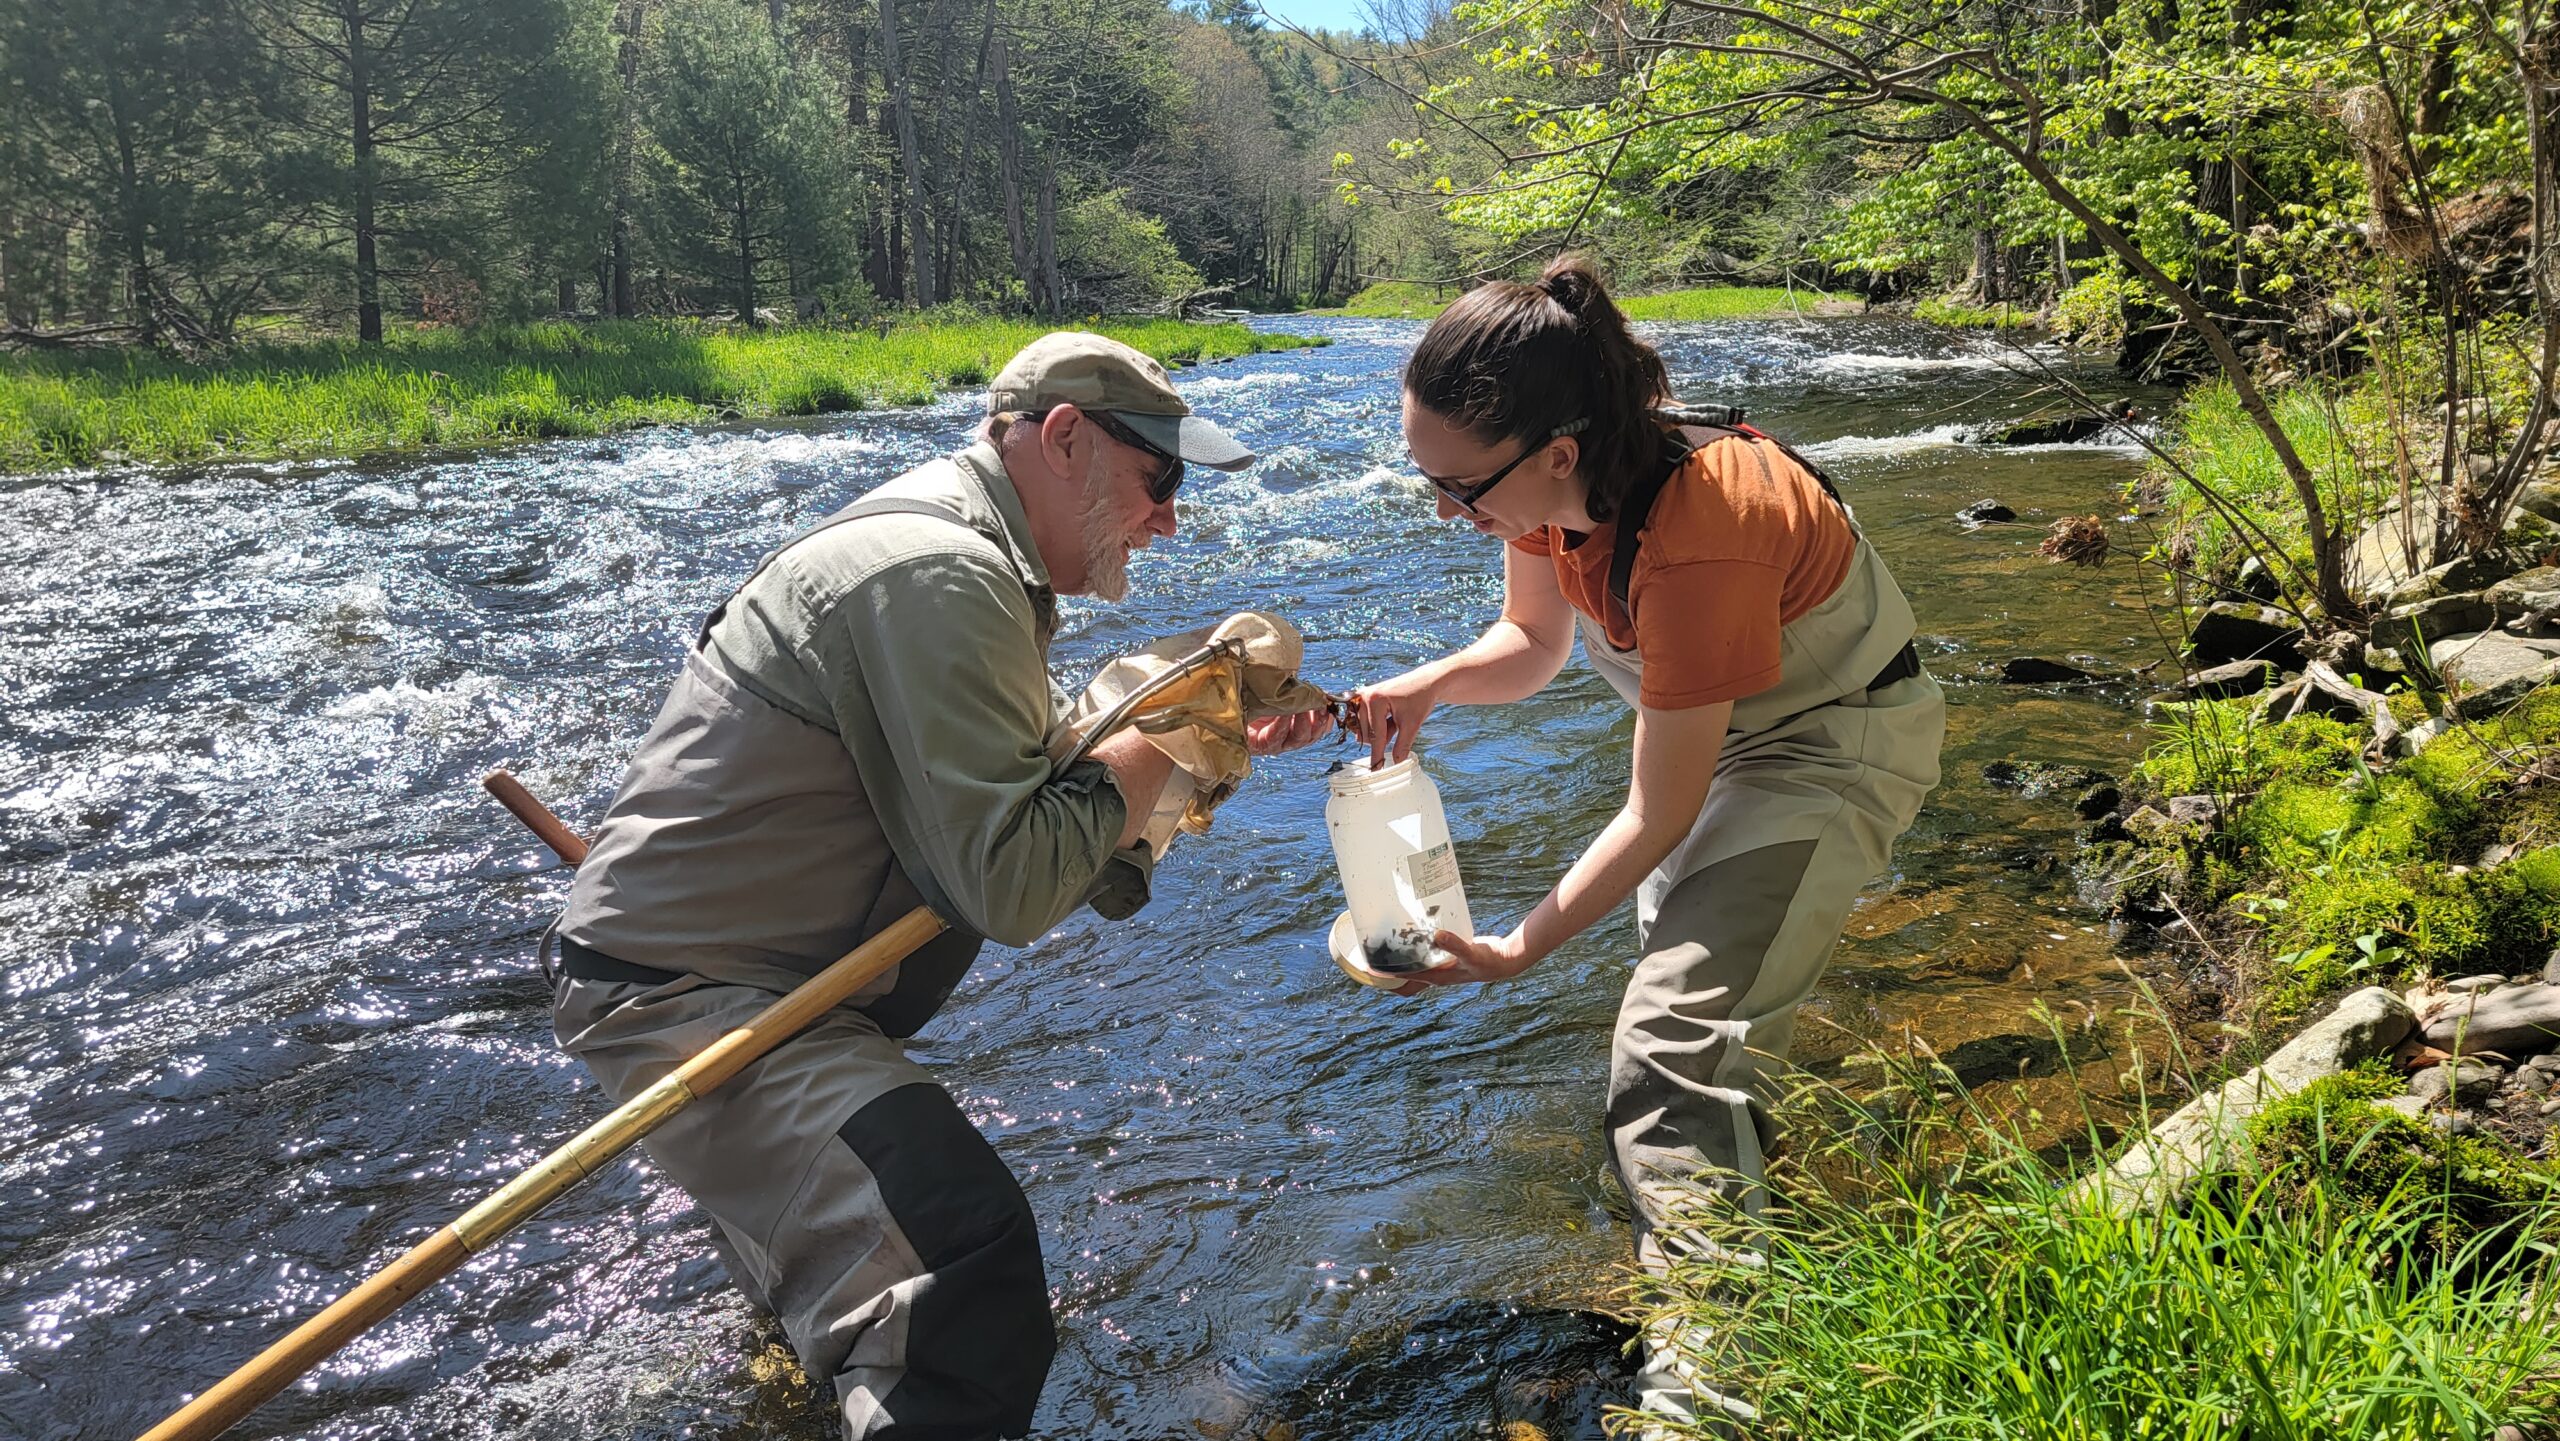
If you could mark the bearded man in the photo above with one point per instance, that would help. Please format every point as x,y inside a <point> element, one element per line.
<point>860,729</point>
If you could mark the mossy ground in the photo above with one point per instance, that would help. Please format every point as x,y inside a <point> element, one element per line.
<point>2332,1138</point>
<point>452,387</point>
<point>2327,869</point>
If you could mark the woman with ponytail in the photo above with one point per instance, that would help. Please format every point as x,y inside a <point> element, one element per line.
<point>1785,732</point>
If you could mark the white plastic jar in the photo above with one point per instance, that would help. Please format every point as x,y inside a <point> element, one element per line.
<point>1399,870</point>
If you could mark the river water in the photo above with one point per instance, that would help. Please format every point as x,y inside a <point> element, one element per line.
<point>271,1012</point>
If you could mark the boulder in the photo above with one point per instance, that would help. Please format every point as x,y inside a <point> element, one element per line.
<point>2551,968</point>
<point>2392,551</point>
<point>1985,512</point>
<point>2223,682</point>
<point>2511,1020</point>
<point>2197,1139</point>
<point>2423,623</point>
<point>2194,810</point>
<point>2465,985</point>
<point>2533,591</point>
<point>2233,630</point>
<point>2542,498</point>
<point>2491,671</point>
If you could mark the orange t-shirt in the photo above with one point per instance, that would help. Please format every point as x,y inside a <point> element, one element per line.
<point>1741,541</point>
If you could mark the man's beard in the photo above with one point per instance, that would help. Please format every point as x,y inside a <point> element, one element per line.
<point>1106,547</point>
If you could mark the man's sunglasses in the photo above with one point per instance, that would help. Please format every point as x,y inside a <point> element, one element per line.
<point>1466,496</point>
<point>1162,484</point>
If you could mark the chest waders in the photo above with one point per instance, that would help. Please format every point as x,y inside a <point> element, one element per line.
<point>1818,774</point>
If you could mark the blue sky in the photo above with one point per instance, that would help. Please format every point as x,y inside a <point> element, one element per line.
<point>1319,14</point>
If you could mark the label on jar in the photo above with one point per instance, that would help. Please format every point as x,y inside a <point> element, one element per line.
<point>1433,871</point>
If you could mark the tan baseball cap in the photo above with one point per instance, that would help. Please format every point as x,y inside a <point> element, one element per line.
<point>1095,372</point>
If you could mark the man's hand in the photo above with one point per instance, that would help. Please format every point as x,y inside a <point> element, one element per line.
<point>1477,959</point>
<point>1271,735</point>
<point>1140,770</point>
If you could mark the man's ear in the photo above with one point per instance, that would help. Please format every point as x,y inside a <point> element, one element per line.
<point>1063,437</point>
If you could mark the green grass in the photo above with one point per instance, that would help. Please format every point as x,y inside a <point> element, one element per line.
<point>1939,310</point>
<point>1410,300</point>
<point>1926,1274</point>
<point>443,387</point>
<point>1721,302</point>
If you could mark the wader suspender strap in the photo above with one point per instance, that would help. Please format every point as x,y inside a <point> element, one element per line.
<point>1723,420</point>
<point>885,505</point>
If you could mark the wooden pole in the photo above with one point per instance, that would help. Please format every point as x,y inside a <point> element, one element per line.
<point>348,1317</point>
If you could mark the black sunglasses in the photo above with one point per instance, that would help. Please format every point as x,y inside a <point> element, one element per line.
<point>1467,495</point>
<point>1161,485</point>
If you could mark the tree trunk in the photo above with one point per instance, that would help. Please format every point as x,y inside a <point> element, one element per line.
<point>1009,170</point>
<point>1050,287</point>
<point>142,291</point>
<point>568,295</point>
<point>360,115</point>
<point>1986,266</point>
<point>626,120</point>
<point>740,213</point>
<point>919,225</point>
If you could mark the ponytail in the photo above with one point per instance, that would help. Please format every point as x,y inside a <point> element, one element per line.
<point>1509,361</point>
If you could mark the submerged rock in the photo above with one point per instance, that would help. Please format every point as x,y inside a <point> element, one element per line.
<point>2038,779</point>
<point>2036,670</point>
<point>1985,512</point>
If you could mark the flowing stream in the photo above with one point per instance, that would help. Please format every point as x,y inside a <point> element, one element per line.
<point>271,1013</point>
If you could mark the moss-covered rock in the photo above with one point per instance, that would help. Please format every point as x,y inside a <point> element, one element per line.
<point>2333,1138</point>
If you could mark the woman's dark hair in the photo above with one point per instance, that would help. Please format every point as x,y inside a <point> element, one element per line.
<point>1512,362</point>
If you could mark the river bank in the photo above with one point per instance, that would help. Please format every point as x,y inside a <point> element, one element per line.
<point>1417,300</point>
<point>443,387</point>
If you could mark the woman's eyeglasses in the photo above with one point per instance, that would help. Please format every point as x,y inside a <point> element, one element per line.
<point>1466,496</point>
<point>1160,486</point>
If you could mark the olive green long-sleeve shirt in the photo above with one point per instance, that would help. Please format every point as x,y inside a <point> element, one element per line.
<point>862,725</point>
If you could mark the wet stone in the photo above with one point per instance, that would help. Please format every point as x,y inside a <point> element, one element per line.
<point>2036,670</point>
<point>1986,512</point>
<point>2098,800</point>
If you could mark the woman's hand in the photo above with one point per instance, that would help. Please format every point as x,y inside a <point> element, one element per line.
<point>1482,958</point>
<point>1391,712</point>
<point>1271,735</point>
